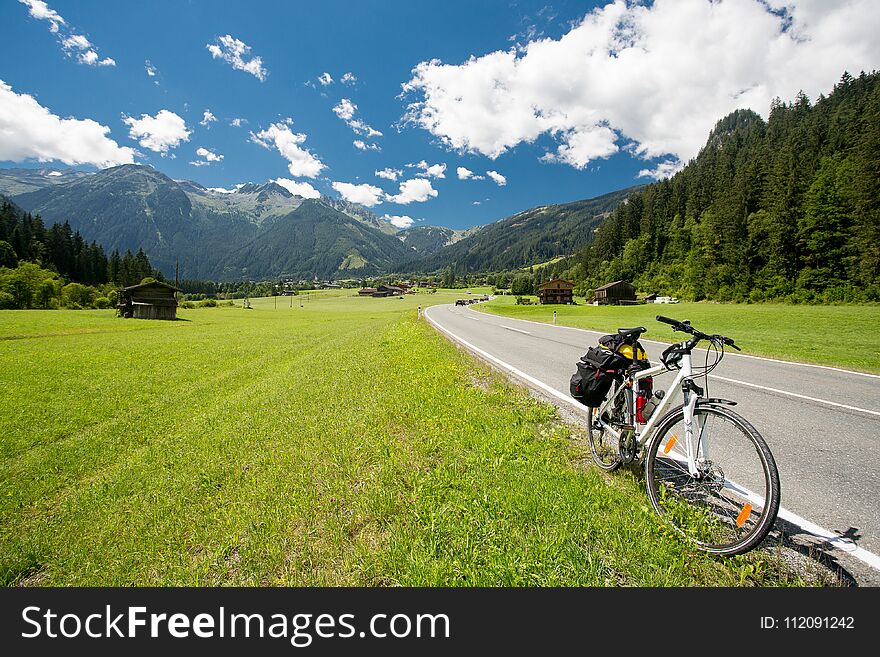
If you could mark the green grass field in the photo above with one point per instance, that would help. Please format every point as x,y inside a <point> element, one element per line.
<point>845,336</point>
<point>343,442</point>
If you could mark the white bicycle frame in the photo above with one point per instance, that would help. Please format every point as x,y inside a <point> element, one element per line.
<point>644,433</point>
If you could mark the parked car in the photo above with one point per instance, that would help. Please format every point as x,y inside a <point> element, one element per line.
<point>665,300</point>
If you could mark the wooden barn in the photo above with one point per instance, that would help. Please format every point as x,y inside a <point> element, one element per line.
<point>367,291</point>
<point>556,291</point>
<point>616,293</point>
<point>388,291</point>
<point>154,300</point>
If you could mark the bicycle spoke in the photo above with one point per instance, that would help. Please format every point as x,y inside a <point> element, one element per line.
<point>714,508</point>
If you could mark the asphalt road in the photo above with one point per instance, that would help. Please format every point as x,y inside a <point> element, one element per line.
<point>822,424</point>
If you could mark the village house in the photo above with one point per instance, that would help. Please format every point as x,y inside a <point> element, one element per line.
<point>388,291</point>
<point>615,294</point>
<point>557,290</point>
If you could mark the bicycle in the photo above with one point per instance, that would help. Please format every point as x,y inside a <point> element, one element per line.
<point>724,511</point>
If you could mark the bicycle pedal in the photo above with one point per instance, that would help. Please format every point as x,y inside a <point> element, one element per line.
<point>626,427</point>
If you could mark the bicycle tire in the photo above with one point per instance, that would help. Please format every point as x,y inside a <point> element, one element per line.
<point>724,512</point>
<point>604,447</point>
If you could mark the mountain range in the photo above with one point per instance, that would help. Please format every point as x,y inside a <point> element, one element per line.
<point>265,231</point>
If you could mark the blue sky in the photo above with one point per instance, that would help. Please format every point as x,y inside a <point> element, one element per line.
<point>565,100</point>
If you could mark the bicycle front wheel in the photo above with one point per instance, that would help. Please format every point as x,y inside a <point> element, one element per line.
<point>730,504</point>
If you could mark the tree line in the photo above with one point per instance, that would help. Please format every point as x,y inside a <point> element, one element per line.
<point>50,267</point>
<point>787,208</point>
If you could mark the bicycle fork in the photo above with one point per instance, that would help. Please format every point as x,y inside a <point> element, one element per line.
<point>695,438</point>
<point>695,441</point>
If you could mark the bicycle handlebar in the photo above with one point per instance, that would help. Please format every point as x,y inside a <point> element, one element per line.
<point>685,327</point>
<point>674,323</point>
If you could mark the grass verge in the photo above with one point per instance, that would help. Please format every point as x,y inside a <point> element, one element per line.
<point>840,336</point>
<point>341,443</point>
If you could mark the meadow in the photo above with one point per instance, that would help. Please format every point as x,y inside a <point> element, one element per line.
<point>837,335</point>
<point>338,442</point>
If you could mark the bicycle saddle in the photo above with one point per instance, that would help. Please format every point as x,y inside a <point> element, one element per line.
<point>627,332</point>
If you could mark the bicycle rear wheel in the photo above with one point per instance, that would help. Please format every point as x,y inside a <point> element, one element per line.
<point>604,447</point>
<point>732,502</point>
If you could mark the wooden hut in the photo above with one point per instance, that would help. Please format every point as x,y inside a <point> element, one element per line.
<point>154,300</point>
<point>615,293</point>
<point>556,291</point>
<point>388,291</point>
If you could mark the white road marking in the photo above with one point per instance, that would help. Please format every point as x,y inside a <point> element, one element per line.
<point>510,368</point>
<point>829,537</point>
<point>794,394</point>
<point>744,383</point>
<point>727,353</point>
<point>841,543</point>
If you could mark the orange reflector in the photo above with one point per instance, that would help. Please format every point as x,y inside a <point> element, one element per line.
<point>669,445</point>
<point>744,515</point>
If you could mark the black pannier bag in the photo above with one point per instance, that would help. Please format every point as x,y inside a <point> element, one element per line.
<point>597,370</point>
<point>576,386</point>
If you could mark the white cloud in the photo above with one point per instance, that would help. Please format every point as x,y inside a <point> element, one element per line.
<point>303,189</point>
<point>389,174</point>
<point>652,76</point>
<point>325,79</point>
<point>41,11</point>
<point>348,78</point>
<point>364,194</point>
<point>466,174</point>
<point>159,133</point>
<point>301,163</point>
<point>345,110</point>
<point>662,170</point>
<point>71,42</point>
<point>223,190</point>
<point>497,177</point>
<point>208,157</point>
<point>207,118</point>
<point>237,122</point>
<point>233,52</point>
<point>430,170</point>
<point>29,131</point>
<point>76,42</point>
<point>416,190</point>
<point>361,145</point>
<point>401,221</point>
<point>90,57</point>
<point>362,128</point>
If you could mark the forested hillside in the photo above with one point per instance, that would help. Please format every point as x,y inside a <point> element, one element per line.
<point>527,238</point>
<point>36,262</point>
<point>787,208</point>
